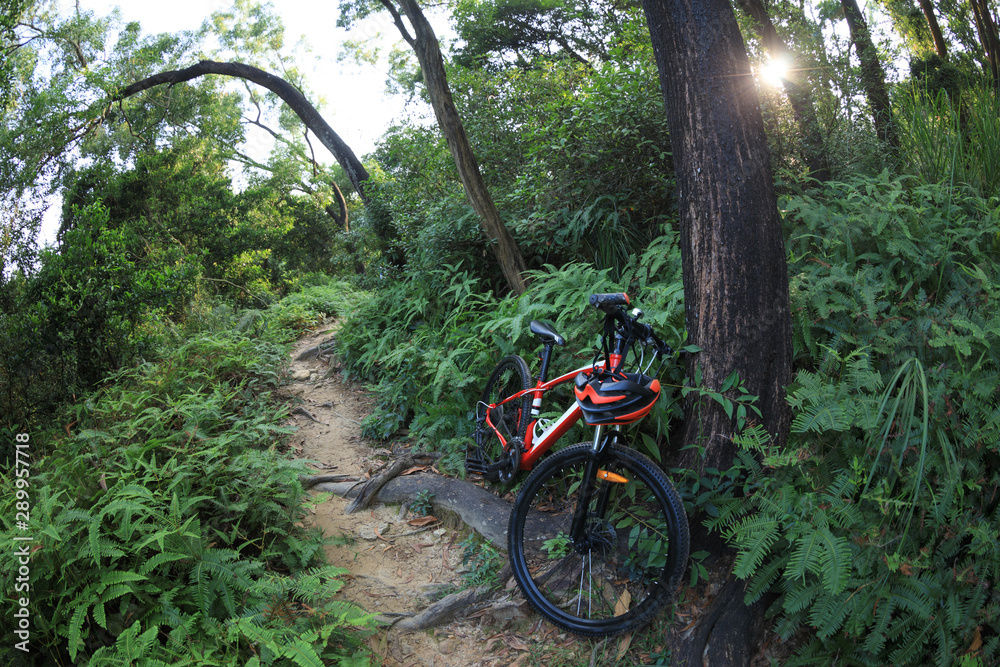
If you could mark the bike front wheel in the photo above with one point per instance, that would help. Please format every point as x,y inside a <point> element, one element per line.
<point>631,557</point>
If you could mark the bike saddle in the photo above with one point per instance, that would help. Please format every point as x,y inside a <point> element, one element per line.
<point>545,331</point>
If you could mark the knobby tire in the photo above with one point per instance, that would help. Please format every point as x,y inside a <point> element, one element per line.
<point>632,558</point>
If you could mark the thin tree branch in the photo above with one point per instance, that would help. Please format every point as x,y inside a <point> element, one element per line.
<point>398,20</point>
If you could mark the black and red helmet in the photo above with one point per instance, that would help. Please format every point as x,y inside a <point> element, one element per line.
<point>615,398</point>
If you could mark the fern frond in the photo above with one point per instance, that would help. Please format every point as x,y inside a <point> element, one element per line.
<point>303,654</point>
<point>821,418</point>
<point>763,579</point>
<point>829,612</point>
<point>799,598</point>
<point>755,536</point>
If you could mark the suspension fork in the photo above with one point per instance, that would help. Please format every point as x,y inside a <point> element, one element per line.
<point>578,528</point>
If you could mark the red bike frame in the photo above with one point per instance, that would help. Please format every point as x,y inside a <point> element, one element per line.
<point>536,444</point>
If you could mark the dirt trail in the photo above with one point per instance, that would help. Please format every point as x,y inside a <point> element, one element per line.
<point>396,567</point>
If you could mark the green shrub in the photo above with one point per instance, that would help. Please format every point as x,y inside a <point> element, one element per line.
<point>90,309</point>
<point>953,137</point>
<point>169,527</point>
<point>335,298</point>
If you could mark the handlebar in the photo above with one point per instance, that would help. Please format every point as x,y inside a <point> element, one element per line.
<point>630,328</point>
<point>609,303</point>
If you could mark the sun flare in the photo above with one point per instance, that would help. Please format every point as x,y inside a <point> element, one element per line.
<point>774,70</point>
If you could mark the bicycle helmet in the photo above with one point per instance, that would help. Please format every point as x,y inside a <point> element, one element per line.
<point>615,398</point>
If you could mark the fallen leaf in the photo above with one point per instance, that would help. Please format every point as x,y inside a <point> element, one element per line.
<point>379,535</point>
<point>624,600</point>
<point>521,660</point>
<point>977,641</point>
<point>623,645</point>
<point>516,643</point>
<point>410,471</point>
<point>422,520</point>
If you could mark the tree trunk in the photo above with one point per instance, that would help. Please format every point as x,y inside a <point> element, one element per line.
<point>798,93</point>
<point>939,44</point>
<point>425,45</point>
<point>989,38</point>
<point>298,103</point>
<point>733,256</point>
<point>872,75</point>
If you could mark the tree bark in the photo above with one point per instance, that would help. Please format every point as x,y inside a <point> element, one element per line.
<point>872,75</point>
<point>988,37</point>
<point>425,45</point>
<point>734,270</point>
<point>798,93</point>
<point>939,44</point>
<point>298,103</point>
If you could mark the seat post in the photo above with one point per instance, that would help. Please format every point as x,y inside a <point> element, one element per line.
<point>546,356</point>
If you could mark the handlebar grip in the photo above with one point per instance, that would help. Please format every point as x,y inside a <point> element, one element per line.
<point>608,302</point>
<point>646,332</point>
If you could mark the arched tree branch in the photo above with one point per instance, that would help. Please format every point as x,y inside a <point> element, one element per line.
<point>298,103</point>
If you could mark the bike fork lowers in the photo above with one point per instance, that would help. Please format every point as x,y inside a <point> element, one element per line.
<point>578,530</point>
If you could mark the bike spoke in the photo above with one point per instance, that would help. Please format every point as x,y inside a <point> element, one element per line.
<point>614,572</point>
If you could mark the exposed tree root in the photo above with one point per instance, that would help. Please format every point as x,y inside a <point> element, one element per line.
<point>316,350</point>
<point>313,480</point>
<point>476,507</point>
<point>460,604</point>
<point>722,635</point>
<point>308,415</point>
<point>391,470</point>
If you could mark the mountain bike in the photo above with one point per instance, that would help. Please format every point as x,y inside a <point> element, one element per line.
<point>598,539</point>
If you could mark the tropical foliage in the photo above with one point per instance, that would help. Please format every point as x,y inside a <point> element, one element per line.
<point>878,525</point>
<point>143,349</point>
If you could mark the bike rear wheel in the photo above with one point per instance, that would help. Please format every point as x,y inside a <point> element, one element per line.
<point>511,419</point>
<point>633,553</point>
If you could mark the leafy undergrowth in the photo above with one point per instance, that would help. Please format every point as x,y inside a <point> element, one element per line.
<point>428,343</point>
<point>167,518</point>
<point>878,526</point>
